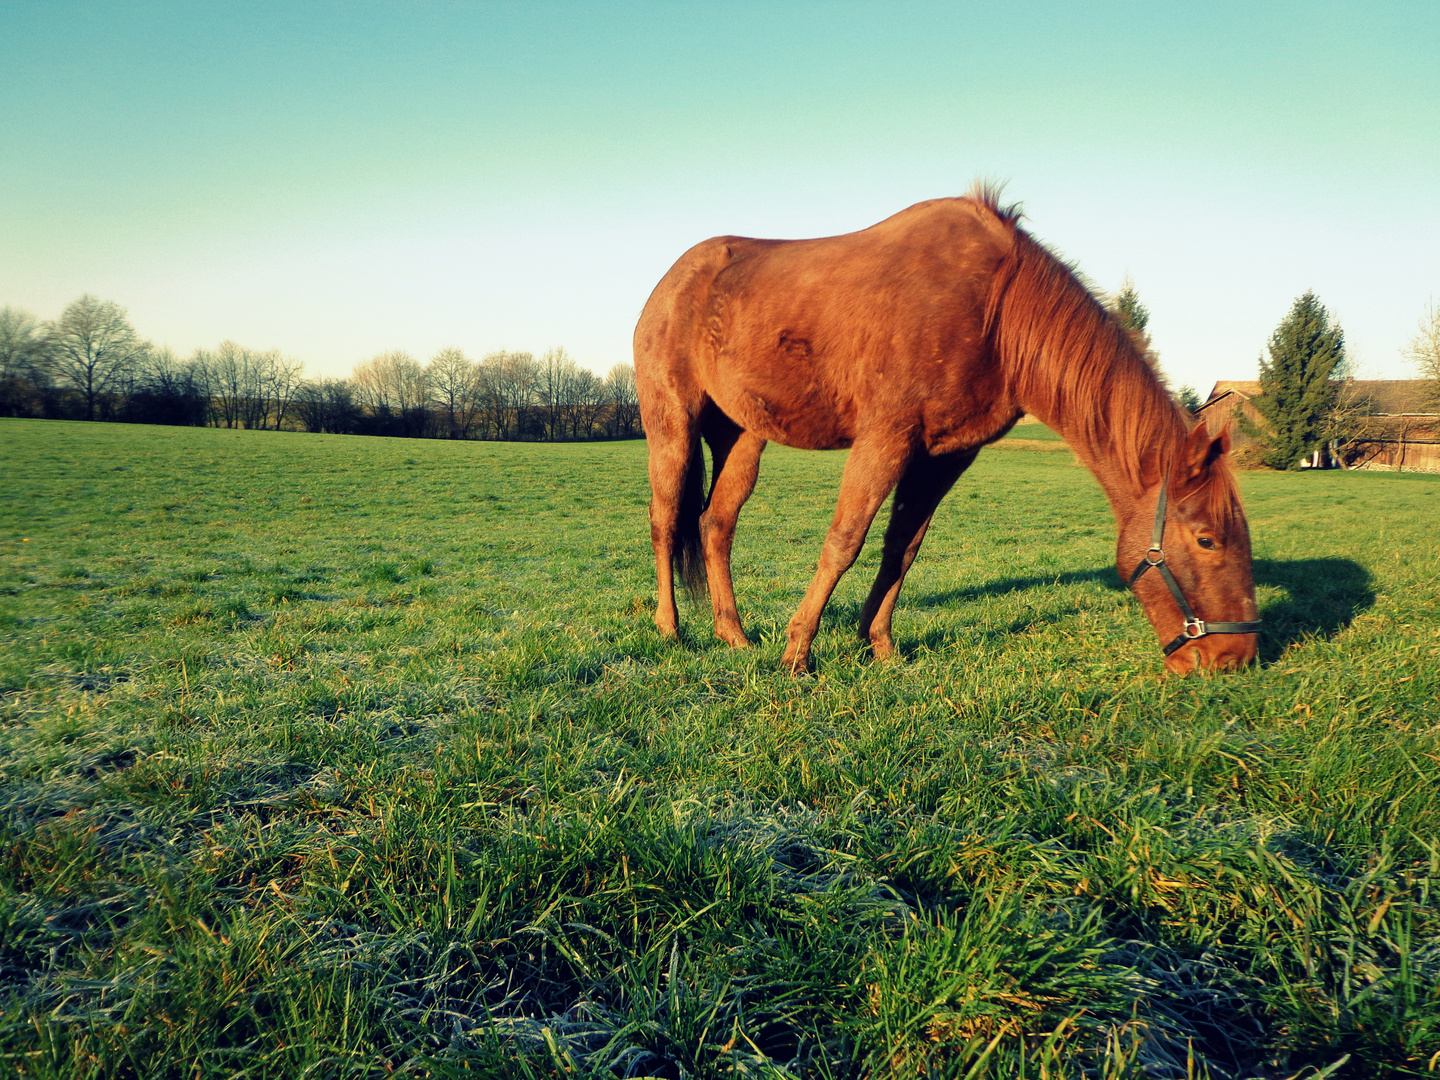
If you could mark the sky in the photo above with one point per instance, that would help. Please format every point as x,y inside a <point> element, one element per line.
<point>337,180</point>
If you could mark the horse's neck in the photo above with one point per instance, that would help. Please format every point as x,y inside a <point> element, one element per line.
<point>1125,493</point>
<point>1074,367</point>
<point>1126,440</point>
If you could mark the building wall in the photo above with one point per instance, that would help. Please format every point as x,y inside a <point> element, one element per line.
<point>1229,409</point>
<point>1394,455</point>
<point>1391,438</point>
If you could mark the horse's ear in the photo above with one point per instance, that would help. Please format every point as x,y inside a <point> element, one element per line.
<point>1200,451</point>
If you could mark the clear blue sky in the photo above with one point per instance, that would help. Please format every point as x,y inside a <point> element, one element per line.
<point>336,180</point>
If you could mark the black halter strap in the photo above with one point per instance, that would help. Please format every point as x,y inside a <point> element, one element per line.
<point>1195,627</point>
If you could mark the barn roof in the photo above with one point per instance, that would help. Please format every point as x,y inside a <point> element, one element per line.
<point>1393,397</point>
<point>1246,388</point>
<point>1384,397</point>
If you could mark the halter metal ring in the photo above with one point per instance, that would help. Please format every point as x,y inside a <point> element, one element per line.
<point>1155,556</point>
<point>1195,628</point>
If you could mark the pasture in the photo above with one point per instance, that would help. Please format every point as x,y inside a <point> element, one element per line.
<point>331,756</point>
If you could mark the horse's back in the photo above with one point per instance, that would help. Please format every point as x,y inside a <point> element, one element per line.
<point>799,339</point>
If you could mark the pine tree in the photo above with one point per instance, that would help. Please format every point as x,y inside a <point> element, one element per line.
<point>1133,315</point>
<point>1297,388</point>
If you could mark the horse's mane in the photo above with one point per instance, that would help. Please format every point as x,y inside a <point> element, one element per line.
<point>1074,366</point>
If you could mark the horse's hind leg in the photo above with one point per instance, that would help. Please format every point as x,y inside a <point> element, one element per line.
<point>676,486</point>
<point>919,492</point>
<point>735,454</point>
<point>874,467</point>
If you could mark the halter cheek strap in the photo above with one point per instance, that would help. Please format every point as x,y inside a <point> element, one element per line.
<point>1195,627</point>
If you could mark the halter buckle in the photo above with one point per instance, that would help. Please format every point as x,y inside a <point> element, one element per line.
<point>1195,628</point>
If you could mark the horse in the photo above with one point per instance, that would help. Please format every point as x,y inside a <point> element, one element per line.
<point>915,343</point>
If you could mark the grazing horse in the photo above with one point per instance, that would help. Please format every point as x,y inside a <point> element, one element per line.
<point>914,343</point>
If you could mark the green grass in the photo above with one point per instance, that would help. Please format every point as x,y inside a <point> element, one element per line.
<point>1033,431</point>
<point>334,756</point>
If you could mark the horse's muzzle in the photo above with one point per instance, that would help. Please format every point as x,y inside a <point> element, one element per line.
<point>1221,652</point>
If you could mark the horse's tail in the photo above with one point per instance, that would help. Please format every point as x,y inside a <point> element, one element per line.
<point>689,551</point>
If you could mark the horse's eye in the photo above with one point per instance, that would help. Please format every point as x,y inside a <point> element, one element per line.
<point>1206,543</point>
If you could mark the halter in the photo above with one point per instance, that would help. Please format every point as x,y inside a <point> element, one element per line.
<point>1195,627</point>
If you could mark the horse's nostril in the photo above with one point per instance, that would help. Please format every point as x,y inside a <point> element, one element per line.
<point>1213,654</point>
<point>1232,656</point>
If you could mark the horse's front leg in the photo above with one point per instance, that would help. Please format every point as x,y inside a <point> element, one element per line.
<point>925,483</point>
<point>875,465</point>
<point>736,456</point>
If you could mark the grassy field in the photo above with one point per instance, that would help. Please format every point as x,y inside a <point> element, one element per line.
<point>330,756</point>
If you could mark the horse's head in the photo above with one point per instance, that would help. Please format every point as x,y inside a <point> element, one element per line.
<point>1203,554</point>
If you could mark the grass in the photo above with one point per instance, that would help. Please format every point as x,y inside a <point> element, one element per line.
<point>328,756</point>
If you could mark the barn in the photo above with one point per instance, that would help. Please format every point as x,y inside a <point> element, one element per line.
<point>1388,424</point>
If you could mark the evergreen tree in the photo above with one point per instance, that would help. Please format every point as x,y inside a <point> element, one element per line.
<point>1297,387</point>
<point>1188,398</point>
<point>1133,315</point>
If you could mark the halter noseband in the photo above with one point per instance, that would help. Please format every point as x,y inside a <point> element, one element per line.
<point>1195,627</point>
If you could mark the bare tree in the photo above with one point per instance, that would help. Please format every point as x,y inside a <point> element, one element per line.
<point>93,348</point>
<point>328,405</point>
<point>520,375</point>
<point>487,398</point>
<point>202,373</point>
<point>586,400</point>
<point>167,390</point>
<point>623,401</point>
<point>393,387</point>
<point>372,387</point>
<point>285,379</point>
<point>22,360</point>
<point>256,373</point>
<point>228,379</point>
<point>1423,350</point>
<point>553,391</point>
<point>279,378</point>
<point>570,397</point>
<point>413,393</point>
<point>254,408</point>
<point>507,388</point>
<point>455,386</point>
<point>310,406</point>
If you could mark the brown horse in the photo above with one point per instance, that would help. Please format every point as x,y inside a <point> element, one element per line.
<point>915,343</point>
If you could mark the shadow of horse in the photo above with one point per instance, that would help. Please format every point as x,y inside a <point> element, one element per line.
<point>1322,597</point>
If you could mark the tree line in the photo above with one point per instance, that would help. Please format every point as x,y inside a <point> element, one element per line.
<point>90,364</point>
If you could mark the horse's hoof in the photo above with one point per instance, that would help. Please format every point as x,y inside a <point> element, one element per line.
<point>882,648</point>
<point>795,665</point>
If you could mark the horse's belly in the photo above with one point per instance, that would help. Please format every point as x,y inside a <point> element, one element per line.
<point>804,421</point>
